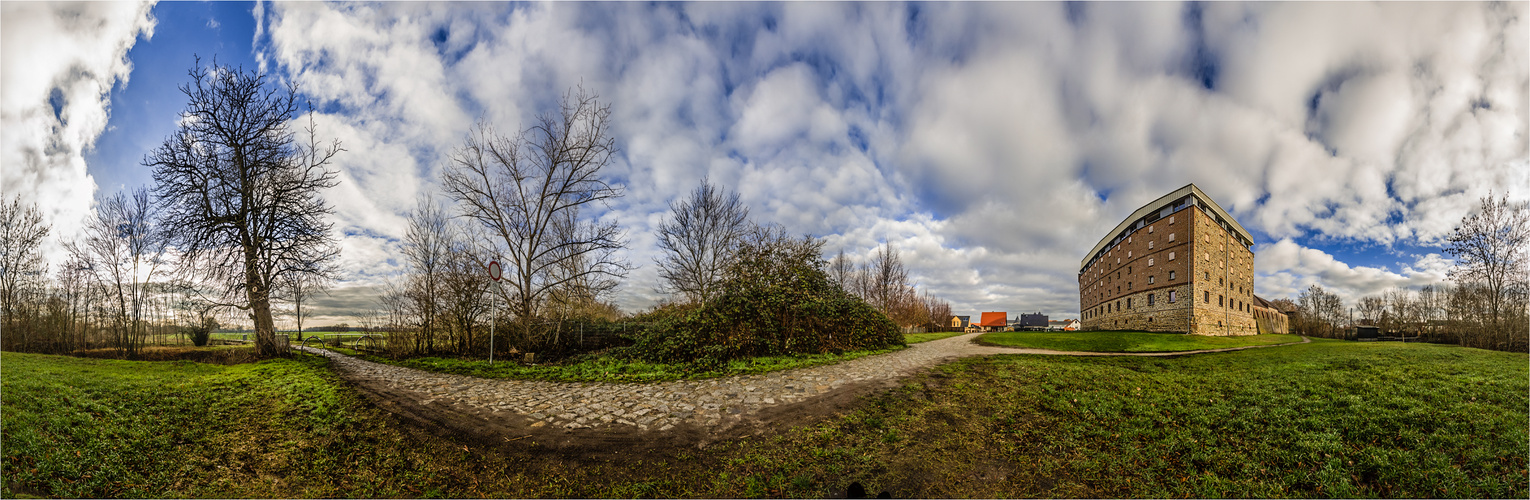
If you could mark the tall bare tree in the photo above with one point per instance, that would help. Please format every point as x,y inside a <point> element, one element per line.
<point>243,193</point>
<point>528,192</point>
<point>886,278</point>
<point>698,238</point>
<point>427,246</point>
<point>1492,251</point>
<point>298,287</point>
<point>841,270</point>
<point>22,267</point>
<point>125,248</point>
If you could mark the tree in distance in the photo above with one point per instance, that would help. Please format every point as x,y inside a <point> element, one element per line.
<point>124,242</point>
<point>22,267</point>
<point>529,192</point>
<point>1492,251</point>
<point>242,194</point>
<point>698,239</point>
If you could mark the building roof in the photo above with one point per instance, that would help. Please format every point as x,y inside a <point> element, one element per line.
<point>995,319</point>
<point>1160,204</point>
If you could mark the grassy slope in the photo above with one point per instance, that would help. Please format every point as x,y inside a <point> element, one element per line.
<point>1321,419</point>
<point>1128,341</point>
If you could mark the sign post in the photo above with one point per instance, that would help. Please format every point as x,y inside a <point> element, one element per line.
<point>494,272</point>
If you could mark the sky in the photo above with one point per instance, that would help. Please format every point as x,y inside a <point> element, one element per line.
<point>993,144</point>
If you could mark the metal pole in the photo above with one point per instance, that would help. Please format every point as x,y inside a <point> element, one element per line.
<point>492,320</point>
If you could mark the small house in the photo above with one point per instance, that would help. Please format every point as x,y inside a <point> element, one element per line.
<point>994,321</point>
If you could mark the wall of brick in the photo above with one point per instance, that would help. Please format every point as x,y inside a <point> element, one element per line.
<point>1208,263</point>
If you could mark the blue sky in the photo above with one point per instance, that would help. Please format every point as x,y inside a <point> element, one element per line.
<point>993,144</point>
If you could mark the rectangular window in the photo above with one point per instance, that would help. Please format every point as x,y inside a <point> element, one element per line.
<point>1171,220</point>
<point>1171,296</point>
<point>1150,245</point>
<point>1208,297</point>
<point>1150,229</point>
<point>1171,255</point>
<point>1171,236</point>
<point>1150,300</point>
<point>1128,303</point>
<point>1150,261</point>
<point>1219,301</point>
<point>1171,275</point>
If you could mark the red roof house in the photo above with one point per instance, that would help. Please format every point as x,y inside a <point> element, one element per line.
<point>994,321</point>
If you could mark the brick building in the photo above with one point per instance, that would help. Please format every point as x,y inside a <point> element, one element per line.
<point>1178,264</point>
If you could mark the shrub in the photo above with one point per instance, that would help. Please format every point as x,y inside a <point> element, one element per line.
<point>776,300</point>
<point>201,333</point>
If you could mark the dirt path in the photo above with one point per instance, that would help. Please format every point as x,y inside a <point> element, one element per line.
<point>599,414</point>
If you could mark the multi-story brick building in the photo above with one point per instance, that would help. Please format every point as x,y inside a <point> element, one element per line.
<point>1178,264</point>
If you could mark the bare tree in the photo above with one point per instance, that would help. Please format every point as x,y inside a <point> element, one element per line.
<point>886,278</point>
<point>1492,251</point>
<point>125,249</point>
<point>299,287</point>
<point>1371,309</point>
<point>22,268</point>
<point>528,191</point>
<point>242,193</point>
<point>427,246</point>
<point>841,270</point>
<point>698,238</point>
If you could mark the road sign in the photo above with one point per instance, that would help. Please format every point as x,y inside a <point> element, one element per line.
<point>494,271</point>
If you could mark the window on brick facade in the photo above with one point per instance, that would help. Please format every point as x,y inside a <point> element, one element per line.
<point>1150,245</point>
<point>1150,300</point>
<point>1150,261</point>
<point>1171,236</point>
<point>1150,280</point>
<point>1219,282</point>
<point>1128,254</point>
<point>1171,219</point>
<point>1171,275</point>
<point>1171,255</point>
<point>1171,296</point>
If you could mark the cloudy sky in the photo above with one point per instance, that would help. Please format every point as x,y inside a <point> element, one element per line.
<point>994,144</point>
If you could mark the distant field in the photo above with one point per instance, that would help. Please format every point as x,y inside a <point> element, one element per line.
<point>1128,341</point>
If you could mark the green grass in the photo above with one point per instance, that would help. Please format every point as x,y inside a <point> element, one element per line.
<point>1325,419</point>
<point>597,368</point>
<point>1113,341</point>
<point>915,338</point>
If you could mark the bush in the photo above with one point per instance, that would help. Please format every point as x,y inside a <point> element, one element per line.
<point>201,333</point>
<point>776,300</point>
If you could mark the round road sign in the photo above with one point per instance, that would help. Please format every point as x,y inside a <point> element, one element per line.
<point>494,271</point>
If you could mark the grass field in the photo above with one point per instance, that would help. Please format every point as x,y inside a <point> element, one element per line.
<point>915,338</point>
<point>597,368</point>
<point>1326,419</point>
<point>1128,341</point>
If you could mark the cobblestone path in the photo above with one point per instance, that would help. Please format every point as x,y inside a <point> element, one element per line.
<point>665,405</point>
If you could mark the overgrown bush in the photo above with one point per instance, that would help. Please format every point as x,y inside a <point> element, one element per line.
<point>201,333</point>
<point>776,300</point>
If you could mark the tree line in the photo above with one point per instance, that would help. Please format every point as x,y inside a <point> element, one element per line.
<point>1486,304</point>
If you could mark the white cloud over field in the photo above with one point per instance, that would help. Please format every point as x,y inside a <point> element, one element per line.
<point>993,143</point>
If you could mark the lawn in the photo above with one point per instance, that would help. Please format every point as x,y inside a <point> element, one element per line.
<point>1325,419</point>
<point>603,368</point>
<point>1114,341</point>
<point>915,338</point>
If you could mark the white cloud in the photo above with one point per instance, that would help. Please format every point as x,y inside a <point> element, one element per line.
<point>61,62</point>
<point>993,143</point>
<point>1285,269</point>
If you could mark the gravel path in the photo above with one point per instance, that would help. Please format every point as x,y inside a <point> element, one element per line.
<point>665,405</point>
